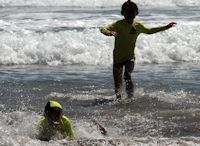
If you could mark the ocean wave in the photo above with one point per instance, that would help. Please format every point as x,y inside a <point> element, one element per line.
<point>97,3</point>
<point>89,47</point>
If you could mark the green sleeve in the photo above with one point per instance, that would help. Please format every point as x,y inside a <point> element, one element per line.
<point>68,128</point>
<point>107,28</point>
<point>146,30</point>
<point>41,123</point>
<point>41,131</point>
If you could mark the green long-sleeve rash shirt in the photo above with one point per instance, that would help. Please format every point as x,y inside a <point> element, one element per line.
<point>65,129</point>
<point>126,38</point>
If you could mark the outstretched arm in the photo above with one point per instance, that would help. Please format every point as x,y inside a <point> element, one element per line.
<point>171,24</point>
<point>108,30</point>
<point>100,127</point>
<point>158,29</point>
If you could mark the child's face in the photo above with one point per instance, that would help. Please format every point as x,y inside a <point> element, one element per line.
<point>129,14</point>
<point>54,117</point>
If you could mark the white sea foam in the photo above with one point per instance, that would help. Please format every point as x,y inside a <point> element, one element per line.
<point>17,128</point>
<point>179,44</point>
<point>90,47</point>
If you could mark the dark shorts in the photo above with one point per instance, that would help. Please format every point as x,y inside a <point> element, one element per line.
<point>128,63</point>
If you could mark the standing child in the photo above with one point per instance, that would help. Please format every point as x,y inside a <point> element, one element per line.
<point>126,32</point>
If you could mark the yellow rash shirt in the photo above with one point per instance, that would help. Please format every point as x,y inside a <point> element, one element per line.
<point>126,38</point>
<point>65,128</point>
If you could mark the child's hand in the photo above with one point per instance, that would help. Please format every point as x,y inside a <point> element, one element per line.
<point>100,127</point>
<point>112,33</point>
<point>172,24</point>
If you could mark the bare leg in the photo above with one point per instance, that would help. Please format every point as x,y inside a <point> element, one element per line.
<point>117,74</point>
<point>129,66</point>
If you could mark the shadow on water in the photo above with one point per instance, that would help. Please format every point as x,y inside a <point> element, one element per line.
<point>141,104</point>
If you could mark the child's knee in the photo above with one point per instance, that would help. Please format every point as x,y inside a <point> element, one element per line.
<point>127,75</point>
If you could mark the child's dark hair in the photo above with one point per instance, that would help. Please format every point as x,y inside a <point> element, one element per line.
<point>127,4</point>
<point>48,109</point>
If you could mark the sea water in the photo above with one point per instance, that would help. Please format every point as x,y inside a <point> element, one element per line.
<point>54,50</point>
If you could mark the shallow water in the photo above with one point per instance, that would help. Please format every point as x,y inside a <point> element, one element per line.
<point>165,108</point>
